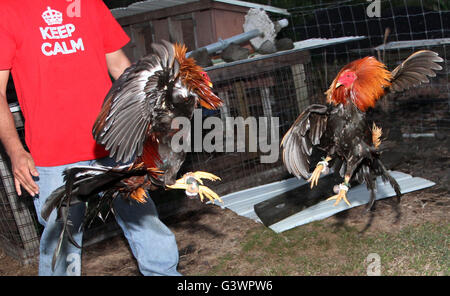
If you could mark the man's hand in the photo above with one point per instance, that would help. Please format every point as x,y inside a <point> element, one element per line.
<point>24,169</point>
<point>22,163</point>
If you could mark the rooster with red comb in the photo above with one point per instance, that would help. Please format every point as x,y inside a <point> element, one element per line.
<point>135,126</point>
<point>340,128</point>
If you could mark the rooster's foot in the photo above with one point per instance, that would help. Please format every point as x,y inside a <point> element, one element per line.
<point>193,185</point>
<point>321,167</point>
<point>342,195</point>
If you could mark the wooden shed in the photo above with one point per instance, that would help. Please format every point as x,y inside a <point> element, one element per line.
<point>196,23</point>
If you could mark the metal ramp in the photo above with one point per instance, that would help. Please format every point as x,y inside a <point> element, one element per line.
<point>243,202</point>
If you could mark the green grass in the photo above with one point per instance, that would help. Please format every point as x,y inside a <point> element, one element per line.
<point>318,249</point>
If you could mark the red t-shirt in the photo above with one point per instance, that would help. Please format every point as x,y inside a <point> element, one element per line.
<point>56,52</point>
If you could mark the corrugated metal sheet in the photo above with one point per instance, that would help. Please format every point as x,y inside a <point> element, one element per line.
<point>121,12</point>
<point>146,6</point>
<point>255,5</point>
<point>321,42</point>
<point>242,202</point>
<point>413,43</point>
<point>152,5</point>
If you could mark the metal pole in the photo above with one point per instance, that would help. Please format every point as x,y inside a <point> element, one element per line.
<point>237,39</point>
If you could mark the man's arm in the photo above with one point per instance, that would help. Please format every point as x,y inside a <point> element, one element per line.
<point>117,62</point>
<point>22,163</point>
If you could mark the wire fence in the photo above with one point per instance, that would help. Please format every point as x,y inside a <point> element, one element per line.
<point>19,230</point>
<point>412,21</point>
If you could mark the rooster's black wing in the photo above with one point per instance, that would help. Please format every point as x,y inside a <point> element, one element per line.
<point>299,140</point>
<point>125,119</point>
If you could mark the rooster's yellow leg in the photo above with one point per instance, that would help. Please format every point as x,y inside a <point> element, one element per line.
<point>321,165</point>
<point>211,195</point>
<point>342,195</point>
<point>197,188</point>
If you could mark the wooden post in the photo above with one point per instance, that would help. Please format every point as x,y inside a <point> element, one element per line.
<point>301,89</point>
<point>239,90</point>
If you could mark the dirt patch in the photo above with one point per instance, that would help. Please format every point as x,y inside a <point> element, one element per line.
<point>203,234</point>
<point>12,267</point>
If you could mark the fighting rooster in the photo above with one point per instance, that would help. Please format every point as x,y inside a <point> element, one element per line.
<point>340,128</point>
<point>135,126</point>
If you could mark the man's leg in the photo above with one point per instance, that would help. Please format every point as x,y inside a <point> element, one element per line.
<point>69,260</point>
<point>152,243</point>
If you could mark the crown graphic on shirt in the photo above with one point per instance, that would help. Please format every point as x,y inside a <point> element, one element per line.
<point>52,17</point>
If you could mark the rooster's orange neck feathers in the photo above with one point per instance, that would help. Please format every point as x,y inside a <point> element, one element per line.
<point>196,79</point>
<point>362,81</point>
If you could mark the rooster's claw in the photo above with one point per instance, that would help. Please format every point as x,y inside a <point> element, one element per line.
<point>192,183</point>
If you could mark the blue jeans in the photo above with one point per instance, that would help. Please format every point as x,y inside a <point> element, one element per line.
<point>152,243</point>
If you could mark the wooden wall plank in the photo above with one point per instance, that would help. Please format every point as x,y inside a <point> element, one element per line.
<point>161,29</point>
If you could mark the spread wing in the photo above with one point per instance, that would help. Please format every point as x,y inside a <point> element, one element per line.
<point>299,140</point>
<point>415,70</point>
<point>126,115</point>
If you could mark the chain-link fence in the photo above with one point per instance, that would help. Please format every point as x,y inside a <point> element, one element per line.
<point>19,230</point>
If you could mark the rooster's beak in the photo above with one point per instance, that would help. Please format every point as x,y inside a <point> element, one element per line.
<point>338,84</point>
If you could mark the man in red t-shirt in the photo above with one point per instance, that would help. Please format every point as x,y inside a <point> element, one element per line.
<point>59,54</point>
